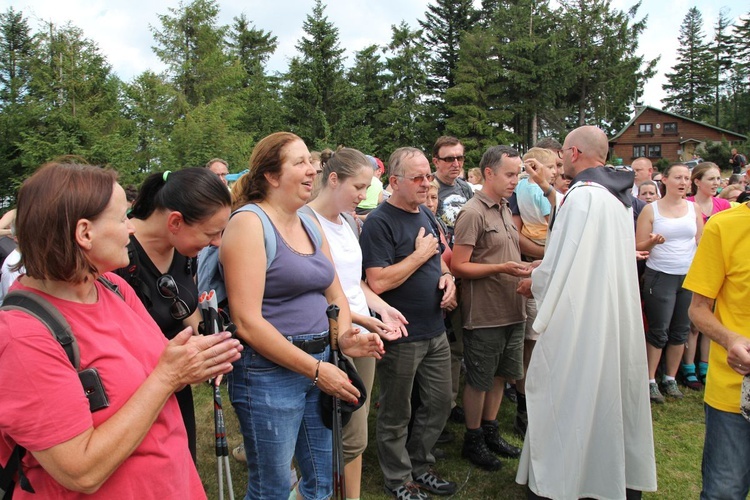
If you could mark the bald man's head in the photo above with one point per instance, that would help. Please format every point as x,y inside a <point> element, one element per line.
<point>584,147</point>
<point>643,169</point>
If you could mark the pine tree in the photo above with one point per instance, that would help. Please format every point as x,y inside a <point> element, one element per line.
<point>403,118</point>
<point>601,53</point>
<point>191,43</point>
<point>721,50</point>
<point>690,87</point>
<point>445,23</point>
<point>15,55</point>
<point>251,47</point>
<point>316,91</point>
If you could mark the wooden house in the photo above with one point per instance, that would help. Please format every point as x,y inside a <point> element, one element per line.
<point>657,134</point>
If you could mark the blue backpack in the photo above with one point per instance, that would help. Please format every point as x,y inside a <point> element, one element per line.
<point>210,270</point>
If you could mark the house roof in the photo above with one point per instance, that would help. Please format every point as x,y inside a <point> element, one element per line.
<point>641,109</point>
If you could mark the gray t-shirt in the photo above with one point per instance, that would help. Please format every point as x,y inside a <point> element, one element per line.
<point>451,199</point>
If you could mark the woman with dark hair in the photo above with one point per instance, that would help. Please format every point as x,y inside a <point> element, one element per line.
<point>279,308</point>
<point>72,230</point>
<point>175,215</point>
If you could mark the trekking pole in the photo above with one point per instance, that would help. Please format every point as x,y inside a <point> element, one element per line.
<point>210,312</point>
<point>339,484</point>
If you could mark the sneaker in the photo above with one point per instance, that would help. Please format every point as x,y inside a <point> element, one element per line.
<point>497,444</point>
<point>671,389</point>
<point>445,437</point>
<point>433,483</point>
<point>457,415</point>
<point>239,453</point>
<point>510,393</point>
<point>654,394</point>
<point>407,491</point>
<point>475,451</point>
<point>520,423</point>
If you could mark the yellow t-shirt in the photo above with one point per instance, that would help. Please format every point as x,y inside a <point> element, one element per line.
<point>721,271</point>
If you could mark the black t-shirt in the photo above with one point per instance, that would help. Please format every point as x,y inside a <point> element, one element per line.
<point>388,238</point>
<point>182,269</point>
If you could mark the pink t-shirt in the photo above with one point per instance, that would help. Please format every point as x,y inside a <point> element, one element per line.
<point>42,403</point>
<point>719,205</point>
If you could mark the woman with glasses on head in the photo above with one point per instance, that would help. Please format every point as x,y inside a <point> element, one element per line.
<point>72,231</point>
<point>175,215</point>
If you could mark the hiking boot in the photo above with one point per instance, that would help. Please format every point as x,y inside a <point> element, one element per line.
<point>445,437</point>
<point>239,453</point>
<point>654,394</point>
<point>407,491</point>
<point>671,389</point>
<point>520,423</point>
<point>497,444</point>
<point>475,451</point>
<point>457,415</point>
<point>433,483</point>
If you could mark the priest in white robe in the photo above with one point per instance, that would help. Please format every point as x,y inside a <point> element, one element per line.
<point>589,432</point>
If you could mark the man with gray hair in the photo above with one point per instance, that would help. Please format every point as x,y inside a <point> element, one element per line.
<point>402,262</point>
<point>589,431</point>
<point>486,255</point>
<point>219,167</point>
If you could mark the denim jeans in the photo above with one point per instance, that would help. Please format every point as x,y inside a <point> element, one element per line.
<point>726,456</point>
<point>426,365</point>
<point>280,417</point>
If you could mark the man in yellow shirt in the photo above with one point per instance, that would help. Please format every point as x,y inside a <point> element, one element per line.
<point>719,278</point>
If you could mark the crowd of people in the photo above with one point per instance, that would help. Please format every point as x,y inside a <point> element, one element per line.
<point>432,276</point>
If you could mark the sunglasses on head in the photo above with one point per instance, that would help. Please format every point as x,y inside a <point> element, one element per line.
<point>167,287</point>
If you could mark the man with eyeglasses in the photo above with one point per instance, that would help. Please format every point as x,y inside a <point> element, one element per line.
<point>589,430</point>
<point>453,193</point>
<point>219,167</point>
<point>448,158</point>
<point>402,262</point>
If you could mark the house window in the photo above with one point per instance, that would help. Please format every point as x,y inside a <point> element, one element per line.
<point>654,151</point>
<point>670,128</point>
<point>639,150</point>
<point>646,128</point>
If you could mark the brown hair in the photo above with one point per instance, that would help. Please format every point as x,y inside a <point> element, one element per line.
<point>266,158</point>
<point>445,140</point>
<point>346,162</point>
<point>50,204</point>
<point>698,172</point>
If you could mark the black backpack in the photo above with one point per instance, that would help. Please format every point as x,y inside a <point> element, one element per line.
<point>40,308</point>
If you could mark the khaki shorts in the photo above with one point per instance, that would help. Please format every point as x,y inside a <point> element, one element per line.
<point>493,352</point>
<point>530,333</point>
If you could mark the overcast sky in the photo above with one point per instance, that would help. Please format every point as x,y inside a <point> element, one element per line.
<point>121,28</point>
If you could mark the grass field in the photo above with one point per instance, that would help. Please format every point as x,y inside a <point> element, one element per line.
<point>678,436</point>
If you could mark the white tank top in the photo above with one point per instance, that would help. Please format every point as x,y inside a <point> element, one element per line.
<point>676,253</point>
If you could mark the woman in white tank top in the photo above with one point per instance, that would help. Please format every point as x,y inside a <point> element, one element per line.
<point>669,229</point>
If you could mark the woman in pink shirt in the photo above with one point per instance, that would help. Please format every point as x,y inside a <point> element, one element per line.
<point>705,180</point>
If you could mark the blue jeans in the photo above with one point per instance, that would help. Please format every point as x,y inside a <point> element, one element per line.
<point>726,456</point>
<point>280,417</point>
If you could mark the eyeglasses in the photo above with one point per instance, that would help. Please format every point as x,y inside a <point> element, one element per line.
<point>451,159</point>
<point>167,288</point>
<point>418,179</point>
<point>560,152</point>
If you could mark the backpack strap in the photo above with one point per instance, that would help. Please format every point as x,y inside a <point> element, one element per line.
<point>269,237</point>
<point>307,211</point>
<point>40,308</point>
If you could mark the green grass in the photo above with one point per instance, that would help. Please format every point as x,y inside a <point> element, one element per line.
<point>678,440</point>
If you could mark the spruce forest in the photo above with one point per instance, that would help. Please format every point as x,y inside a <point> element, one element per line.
<point>507,72</point>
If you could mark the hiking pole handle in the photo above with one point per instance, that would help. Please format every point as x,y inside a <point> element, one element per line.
<point>332,311</point>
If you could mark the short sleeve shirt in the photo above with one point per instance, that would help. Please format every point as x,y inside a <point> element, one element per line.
<point>491,301</point>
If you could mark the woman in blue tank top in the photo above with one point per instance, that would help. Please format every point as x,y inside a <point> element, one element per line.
<point>279,309</point>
